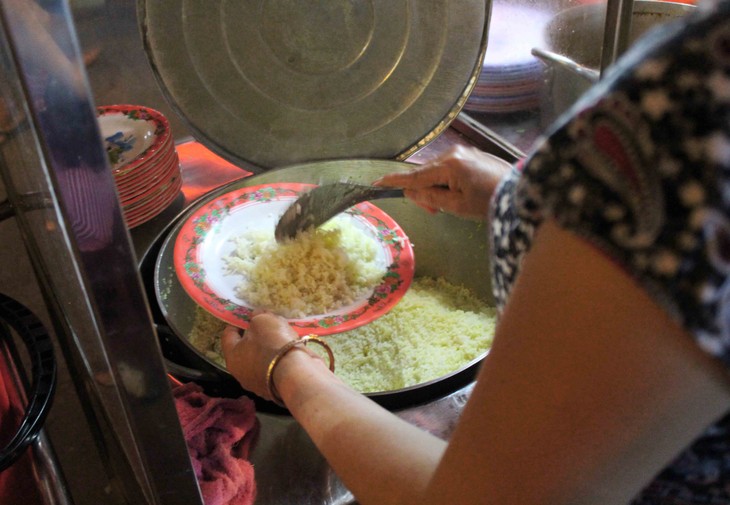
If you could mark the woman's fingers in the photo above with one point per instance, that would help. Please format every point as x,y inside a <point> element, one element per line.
<point>427,186</point>
<point>266,323</point>
<point>229,339</point>
<point>432,174</point>
<point>434,198</point>
<point>427,208</point>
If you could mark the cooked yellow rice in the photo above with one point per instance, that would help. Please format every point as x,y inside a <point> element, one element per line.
<point>318,272</point>
<point>436,328</point>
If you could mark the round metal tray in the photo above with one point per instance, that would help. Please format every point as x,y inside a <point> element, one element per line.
<point>271,83</point>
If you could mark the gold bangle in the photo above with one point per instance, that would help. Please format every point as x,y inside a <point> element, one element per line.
<point>270,386</point>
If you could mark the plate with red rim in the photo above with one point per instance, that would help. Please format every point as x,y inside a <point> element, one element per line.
<point>143,171</point>
<point>134,189</point>
<point>151,198</point>
<point>137,216</point>
<point>205,238</point>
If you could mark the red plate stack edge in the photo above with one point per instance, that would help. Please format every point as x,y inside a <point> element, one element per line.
<point>143,159</point>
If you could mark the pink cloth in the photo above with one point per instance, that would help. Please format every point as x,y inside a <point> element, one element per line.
<point>219,433</point>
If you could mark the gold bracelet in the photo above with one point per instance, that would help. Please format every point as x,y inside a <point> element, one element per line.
<point>270,386</point>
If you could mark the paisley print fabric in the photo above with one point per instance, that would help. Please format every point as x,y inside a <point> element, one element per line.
<point>640,168</point>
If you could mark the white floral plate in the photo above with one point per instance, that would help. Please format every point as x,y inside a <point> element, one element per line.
<point>204,239</point>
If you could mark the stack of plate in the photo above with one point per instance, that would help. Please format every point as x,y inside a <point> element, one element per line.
<point>143,158</point>
<point>511,76</point>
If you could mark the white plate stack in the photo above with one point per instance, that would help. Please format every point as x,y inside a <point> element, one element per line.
<point>143,158</point>
<point>511,77</point>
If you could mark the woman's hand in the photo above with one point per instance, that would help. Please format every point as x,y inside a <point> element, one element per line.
<point>248,356</point>
<point>460,181</point>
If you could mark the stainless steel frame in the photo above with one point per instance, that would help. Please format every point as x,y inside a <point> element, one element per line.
<point>61,191</point>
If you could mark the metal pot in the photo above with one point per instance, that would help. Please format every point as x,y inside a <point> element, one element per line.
<point>444,246</point>
<point>577,34</point>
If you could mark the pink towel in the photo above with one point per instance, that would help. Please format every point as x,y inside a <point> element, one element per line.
<point>219,433</point>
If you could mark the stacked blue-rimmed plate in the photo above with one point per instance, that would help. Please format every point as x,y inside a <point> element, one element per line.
<point>511,76</point>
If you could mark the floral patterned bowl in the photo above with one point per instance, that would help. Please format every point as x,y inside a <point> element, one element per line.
<point>132,134</point>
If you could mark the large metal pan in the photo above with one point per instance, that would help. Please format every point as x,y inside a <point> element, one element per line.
<point>444,246</point>
<point>577,33</point>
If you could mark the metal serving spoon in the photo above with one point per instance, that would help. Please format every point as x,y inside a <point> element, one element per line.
<point>322,203</point>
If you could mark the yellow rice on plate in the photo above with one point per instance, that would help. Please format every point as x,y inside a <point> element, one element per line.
<point>320,271</point>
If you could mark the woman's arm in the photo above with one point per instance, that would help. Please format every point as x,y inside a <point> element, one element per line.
<point>588,391</point>
<point>381,458</point>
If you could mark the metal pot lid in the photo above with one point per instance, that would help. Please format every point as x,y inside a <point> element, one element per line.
<point>276,82</point>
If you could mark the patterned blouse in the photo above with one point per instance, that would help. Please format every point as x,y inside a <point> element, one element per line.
<point>640,168</point>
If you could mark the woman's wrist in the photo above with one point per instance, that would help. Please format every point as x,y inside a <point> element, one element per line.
<point>292,364</point>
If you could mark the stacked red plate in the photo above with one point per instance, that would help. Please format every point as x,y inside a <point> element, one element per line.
<point>143,159</point>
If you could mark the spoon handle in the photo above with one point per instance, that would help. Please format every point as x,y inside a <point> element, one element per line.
<point>317,206</point>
